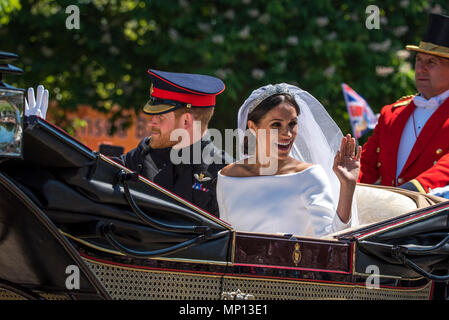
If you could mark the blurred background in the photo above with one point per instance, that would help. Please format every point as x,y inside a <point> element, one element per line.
<point>97,73</point>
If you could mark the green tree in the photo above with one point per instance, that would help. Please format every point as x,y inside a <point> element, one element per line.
<point>316,45</point>
<point>6,8</point>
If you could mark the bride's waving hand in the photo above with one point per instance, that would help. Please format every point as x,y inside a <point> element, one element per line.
<point>347,167</point>
<point>347,162</point>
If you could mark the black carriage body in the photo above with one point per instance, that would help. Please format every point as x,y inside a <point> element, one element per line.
<point>65,205</point>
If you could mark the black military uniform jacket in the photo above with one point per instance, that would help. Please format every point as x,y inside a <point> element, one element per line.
<point>192,181</point>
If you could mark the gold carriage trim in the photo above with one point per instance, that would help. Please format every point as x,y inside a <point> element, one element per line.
<point>102,249</point>
<point>401,224</point>
<point>355,273</point>
<point>9,295</point>
<point>129,283</point>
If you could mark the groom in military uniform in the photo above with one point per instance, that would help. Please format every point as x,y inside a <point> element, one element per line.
<point>179,154</point>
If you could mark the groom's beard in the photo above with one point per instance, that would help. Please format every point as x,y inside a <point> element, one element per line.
<point>159,140</point>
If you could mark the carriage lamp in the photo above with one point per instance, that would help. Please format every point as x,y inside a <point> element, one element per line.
<point>11,110</point>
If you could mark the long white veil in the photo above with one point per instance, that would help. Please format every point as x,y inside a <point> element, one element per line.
<point>318,138</point>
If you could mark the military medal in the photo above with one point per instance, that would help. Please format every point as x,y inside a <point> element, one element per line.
<point>199,186</point>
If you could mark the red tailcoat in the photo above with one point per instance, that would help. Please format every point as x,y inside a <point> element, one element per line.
<point>427,166</point>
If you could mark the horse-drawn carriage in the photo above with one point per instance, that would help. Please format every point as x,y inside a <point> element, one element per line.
<point>76,225</point>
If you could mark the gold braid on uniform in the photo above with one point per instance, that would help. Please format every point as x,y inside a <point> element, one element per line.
<point>404,100</point>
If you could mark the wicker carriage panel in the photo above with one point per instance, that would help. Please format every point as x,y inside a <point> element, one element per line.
<point>301,290</point>
<point>123,284</point>
<point>139,284</point>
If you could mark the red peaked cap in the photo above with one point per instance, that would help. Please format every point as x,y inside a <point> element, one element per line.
<point>172,90</point>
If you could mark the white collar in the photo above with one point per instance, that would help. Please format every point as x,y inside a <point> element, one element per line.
<point>432,103</point>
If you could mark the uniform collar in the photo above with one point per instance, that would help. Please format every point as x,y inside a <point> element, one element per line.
<point>159,156</point>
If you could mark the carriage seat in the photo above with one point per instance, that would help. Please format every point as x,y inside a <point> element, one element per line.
<point>376,203</point>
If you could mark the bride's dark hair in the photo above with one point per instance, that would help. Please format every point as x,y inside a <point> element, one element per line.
<point>269,103</point>
<point>264,107</point>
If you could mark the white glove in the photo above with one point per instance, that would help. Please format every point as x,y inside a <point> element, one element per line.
<point>37,106</point>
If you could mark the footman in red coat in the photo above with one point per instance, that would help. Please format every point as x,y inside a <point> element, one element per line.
<point>409,147</point>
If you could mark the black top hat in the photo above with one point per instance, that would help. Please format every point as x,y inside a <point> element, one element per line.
<point>170,91</point>
<point>436,39</point>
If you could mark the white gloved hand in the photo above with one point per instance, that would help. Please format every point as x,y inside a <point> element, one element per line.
<point>37,106</point>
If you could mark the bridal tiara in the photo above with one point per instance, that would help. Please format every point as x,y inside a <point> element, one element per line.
<point>268,92</point>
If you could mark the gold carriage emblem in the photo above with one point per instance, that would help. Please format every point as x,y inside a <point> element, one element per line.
<point>236,295</point>
<point>296,256</point>
<point>151,89</point>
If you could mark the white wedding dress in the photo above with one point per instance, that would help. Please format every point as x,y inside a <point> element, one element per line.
<point>297,203</point>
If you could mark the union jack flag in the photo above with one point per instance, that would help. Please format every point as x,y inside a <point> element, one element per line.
<point>361,116</point>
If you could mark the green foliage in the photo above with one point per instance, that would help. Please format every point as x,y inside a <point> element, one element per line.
<point>316,45</point>
<point>6,7</point>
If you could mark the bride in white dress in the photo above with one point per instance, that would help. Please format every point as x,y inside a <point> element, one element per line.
<point>285,183</point>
